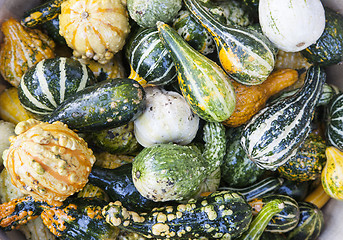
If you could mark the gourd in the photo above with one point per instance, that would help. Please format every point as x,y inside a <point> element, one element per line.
<point>150,62</point>
<point>206,88</point>
<point>318,197</point>
<point>91,191</point>
<point>296,190</point>
<point>8,191</point>
<point>237,169</point>
<point>332,173</point>
<point>111,161</point>
<point>42,13</point>
<point>308,162</point>
<point>159,177</point>
<point>167,118</point>
<point>245,54</point>
<point>51,81</point>
<point>311,222</point>
<point>329,91</point>
<point>52,29</point>
<point>328,49</point>
<point>251,99</point>
<point>293,60</point>
<point>147,12</point>
<point>6,130</point>
<point>275,133</point>
<point>21,49</point>
<point>108,104</point>
<point>334,122</point>
<point>282,222</point>
<point>10,108</point>
<point>48,161</point>
<point>223,215</point>
<point>292,25</point>
<point>119,140</point>
<point>92,32</point>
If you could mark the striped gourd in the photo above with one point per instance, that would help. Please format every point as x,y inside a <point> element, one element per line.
<point>284,221</point>
<point>149,60</point>
<point>276,132</point>
<point>246,55</point>
<point>334,130</point>
<point>328,92</point>
<point>48,83</point>
<point>203,83</point>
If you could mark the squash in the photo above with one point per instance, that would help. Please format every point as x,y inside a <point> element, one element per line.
<point>296,190</point>
<point>328,92</point>
<point>206,88</point>
<point>245,54</point>
<point>8,191</point>
<point>91,31</point>
<point>293,60</point>
<point>10,108</point>
<point>108,104</point>
<point>292,25</point>
<point>275,133</point>
<point>221,215</point>
<point>328,49</point>
<point>52,29</point>
<point>51,81</point>
<point>251,99</point>
<point>150,61</point>
<point>21,49</point>
<point>147,12</point>
<point>334,125</point>
<point>332,173</point>
<point>167,118</point>
<point>311,222</point>
<point>6,131</point>
<point>318,197</point>
<point>48,161</point>
<point>308,162</point>
<point>91,191</point>
<point>111,161</point>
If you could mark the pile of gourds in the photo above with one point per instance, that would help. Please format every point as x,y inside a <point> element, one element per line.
<point>224,126</point>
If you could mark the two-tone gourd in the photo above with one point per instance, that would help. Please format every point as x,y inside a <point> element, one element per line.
<point>334,122</point>
<point>204,84</point>
<point>274,134</point>
<point>159,171</point>
<point>51,81</point>
<point>246,55</point>
<point>292,25</point>
<point>220,215</point>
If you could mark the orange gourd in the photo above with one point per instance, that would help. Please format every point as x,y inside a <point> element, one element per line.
<point>251,99</point>
<point>22,48</point>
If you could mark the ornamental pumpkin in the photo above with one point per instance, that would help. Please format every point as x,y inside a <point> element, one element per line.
<point>48,161</point>
<point>94,29</point>
<point>21,49</point>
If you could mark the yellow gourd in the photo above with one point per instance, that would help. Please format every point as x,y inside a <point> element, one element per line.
<point>22,48</point>
<point>48,161</point>
<point>94,29</point>
<point>332,174</point>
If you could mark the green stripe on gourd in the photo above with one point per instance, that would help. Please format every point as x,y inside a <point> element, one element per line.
<point>149,59</point>
<point>246,55</point>
<point>51,81</point>
<point>221,215</point>
<point>274,134</point>
<point>334,130</point>
<point>204,84</point>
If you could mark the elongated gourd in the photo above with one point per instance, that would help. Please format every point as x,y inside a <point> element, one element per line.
<point>205,86</point>
<point>246,55</point>
<point>274,135</point>
<point>334,123</point>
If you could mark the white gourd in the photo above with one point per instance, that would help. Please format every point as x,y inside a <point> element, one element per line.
<point>167,118</point>
<point>292,25</point>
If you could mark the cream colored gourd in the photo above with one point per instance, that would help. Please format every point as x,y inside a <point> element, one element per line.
<point>167,118</point>
<point>292,25</point>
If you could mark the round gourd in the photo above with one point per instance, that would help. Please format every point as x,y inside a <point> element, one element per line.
<point>292,25</point>
<point>47,84</point>
<point>166,118</point>
<point>335,122</point>
<point>48,161</point>
<point>21,49</point>
<point>94,29</point>
<point>147,12</point>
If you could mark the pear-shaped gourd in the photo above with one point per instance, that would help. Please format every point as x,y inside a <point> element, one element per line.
<point>205,86</point>
<point>246,55</point>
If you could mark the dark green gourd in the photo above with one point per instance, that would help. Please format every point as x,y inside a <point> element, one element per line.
<point>205,86</point>
<point>274,134</point>
<point>221,215</point>
<point>334,122</point>
<point>246,55</point>
<point>159,172</point>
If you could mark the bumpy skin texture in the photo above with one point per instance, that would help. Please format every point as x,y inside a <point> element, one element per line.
<point>48,161</point>
<point>147,12</point>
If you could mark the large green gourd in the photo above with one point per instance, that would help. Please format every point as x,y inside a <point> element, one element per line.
<point>246,55</point>
<point>205,86</point>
